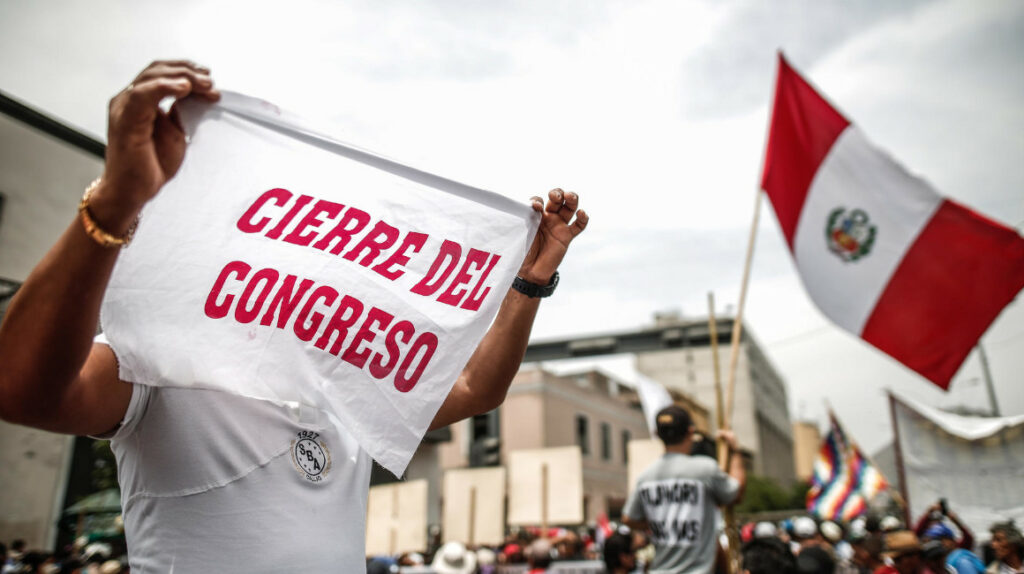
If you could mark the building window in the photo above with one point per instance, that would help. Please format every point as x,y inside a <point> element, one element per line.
<point>606,441</point>
<point>626,437</point>
<point>583,434</point>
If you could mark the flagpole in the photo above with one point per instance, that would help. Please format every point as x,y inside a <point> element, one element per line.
<point>723,447</point>
<point>988,379</point>
<point>737,326</point>
<point>898,450</point>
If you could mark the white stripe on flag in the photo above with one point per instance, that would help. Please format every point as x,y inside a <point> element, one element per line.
<point>856,175</point>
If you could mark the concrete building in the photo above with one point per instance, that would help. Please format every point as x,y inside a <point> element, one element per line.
<point>545,410</point>
<point>806,443</point>
<point>44,168</point>
<point>677,353</point>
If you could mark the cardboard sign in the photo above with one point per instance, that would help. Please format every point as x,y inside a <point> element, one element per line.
<point>642,454</point>
<point>280,264</point>
<point>474,506</point>
<point>396,518</point>
<point>545,486</point>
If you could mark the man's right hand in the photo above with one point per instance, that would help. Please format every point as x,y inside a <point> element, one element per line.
<point>145,144</point>
<point>53,377</point>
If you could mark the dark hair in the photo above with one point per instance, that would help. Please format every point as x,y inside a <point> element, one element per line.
<point>18,545</point>
<point>1012,534</point>
<point>674,424</point>
<point>768,556</point>
<point>815,560</point>
<point>615,547</point>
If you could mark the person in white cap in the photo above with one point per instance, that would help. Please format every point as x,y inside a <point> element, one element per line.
<point>454,558</point>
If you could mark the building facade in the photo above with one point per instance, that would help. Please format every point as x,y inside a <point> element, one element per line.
<point>44,167</point>
<point>543,410</point>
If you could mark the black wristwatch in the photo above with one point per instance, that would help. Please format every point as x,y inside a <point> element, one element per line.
<point>534,290</point>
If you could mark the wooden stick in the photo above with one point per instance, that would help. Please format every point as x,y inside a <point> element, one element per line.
<point>720,423</point>
<point>737,326</point>
<point>723,448</point>
<point>472,516</point>
<point>898,449</point>
<point>544,501</point>
<point>394,521</point>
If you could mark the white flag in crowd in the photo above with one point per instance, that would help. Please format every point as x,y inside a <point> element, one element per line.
<point>653,398</point>
<point>280,264</point>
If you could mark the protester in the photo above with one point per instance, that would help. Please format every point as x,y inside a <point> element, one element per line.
<point>933,555</point>
<point>1008,547</point>
<point>538,556</point>
<point>962,561</point>
<point>815,560</point>
<point>767,556</point>
<point>186,453</point>
<point>486,561</point>
<point>454,558</point>
<point>867,554</point>
<point>930,526</point>
<point>676,498</point>
<point>903,548</point>
<point>619,557</point>
<point>12,558</point>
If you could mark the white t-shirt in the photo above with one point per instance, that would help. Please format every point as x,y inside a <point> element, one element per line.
<point>213,482</point>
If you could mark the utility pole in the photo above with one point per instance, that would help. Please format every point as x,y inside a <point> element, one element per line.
<point>988,380</point>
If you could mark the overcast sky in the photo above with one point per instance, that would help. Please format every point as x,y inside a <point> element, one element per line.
<point>655,112</point>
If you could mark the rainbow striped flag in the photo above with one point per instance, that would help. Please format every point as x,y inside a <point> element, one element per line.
<point>844,481</point>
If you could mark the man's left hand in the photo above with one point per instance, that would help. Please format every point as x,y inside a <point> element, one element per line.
<point>557,229</point>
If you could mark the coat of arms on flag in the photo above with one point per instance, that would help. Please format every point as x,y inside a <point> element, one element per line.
<point>844,480</point>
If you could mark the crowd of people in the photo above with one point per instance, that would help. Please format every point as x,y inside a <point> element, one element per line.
<point>883,545</point>
<point>81,557</point>
<point>939,543</point>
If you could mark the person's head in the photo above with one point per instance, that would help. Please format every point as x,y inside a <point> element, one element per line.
<point>18,547</point>
<point>815,560</point>
<point>618,553</point>
<point>831,531</point>
<point>765,530</point>
<point>674,425</point>
<point>454,558</point>
<point>805,531</point>
<point>538,555</point>
<point>767,556</point>
<point>904,549</point>
<point>941,533</point>
<point>1007,540</point>
<point>933,553</point>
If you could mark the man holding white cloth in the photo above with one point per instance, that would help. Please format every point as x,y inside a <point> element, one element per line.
<point>211,481</point>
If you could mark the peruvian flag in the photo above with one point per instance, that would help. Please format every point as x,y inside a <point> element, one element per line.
<point>882,254</point>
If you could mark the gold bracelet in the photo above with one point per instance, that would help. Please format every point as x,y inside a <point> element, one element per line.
<point>93,230</point>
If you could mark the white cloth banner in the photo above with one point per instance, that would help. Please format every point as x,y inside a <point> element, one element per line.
<point>280,264</point>
<point>653,397</point>
<point>973,462</point>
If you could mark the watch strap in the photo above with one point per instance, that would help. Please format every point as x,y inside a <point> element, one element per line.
<point>534,290</point>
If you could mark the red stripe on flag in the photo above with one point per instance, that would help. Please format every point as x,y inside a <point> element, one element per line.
<point>952,283</point>
<point>804,126</point>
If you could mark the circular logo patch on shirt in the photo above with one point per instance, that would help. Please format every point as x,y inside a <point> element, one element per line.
<point>311,456</point>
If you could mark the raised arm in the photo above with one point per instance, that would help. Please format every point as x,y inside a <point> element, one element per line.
<point>484,382</point>
<point>51,375</point>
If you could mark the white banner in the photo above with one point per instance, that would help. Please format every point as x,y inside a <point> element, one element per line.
<point>972,462</point>
<point>280,264</point>
<point>653,397</point>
